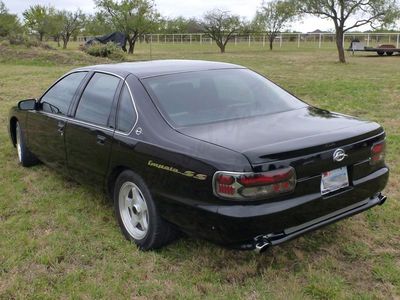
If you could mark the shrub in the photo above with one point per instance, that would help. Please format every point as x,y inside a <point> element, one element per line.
<point>16,39</point>
<point>27,42</point>
<point>31,43</point>
<point>46,46</point>
<point>109,50</point>
<point>4,43</point>
<point>117,55</point>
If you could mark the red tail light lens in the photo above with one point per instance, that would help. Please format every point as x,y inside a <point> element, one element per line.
<point>254,185</point>
<point>225,179</point>
<point>378,152</point>
<point>266,178</point>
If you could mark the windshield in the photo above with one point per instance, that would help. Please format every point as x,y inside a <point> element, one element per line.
<point>203,97</point>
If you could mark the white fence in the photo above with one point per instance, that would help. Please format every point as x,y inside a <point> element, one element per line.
<point>318,40</point>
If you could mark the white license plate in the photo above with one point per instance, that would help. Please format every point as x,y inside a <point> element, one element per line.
<point>334,180</point>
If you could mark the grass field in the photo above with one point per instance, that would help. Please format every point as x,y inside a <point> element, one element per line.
<point>58,239</point>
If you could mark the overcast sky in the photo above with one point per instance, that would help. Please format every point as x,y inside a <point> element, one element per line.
<point>172,8</point>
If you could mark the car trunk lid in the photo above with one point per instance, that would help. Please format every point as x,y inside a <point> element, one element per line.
<point>285,135</point>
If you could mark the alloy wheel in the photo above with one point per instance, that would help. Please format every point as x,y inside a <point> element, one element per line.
<point>133,210</point>
<point>18,138</point>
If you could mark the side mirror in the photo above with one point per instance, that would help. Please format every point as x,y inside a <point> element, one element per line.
<point>29,104</point>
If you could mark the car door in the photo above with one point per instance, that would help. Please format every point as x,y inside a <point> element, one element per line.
<point>45,125</point>
<point>89,134</point>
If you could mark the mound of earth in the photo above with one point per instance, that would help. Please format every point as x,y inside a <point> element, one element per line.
<point>39,56</point>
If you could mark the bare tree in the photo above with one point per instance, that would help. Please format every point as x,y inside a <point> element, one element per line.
<point>221,26</point>
<point>71,23</point>
<point>55,25</point>
<point>350,14</point>
<point>132,17</point>
<point>272,17</point>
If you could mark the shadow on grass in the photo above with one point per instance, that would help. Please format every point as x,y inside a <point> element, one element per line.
<point>289,255</point>
<point>187,254</point>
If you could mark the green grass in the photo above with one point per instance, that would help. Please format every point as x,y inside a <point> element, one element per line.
<point>59,239</point>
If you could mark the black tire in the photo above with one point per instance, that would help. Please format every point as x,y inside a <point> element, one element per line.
<point>389,53</point>
<point>380,53</point>
<point>159,233</point>
<point>25,157</point>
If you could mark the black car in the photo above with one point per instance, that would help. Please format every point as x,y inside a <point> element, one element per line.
<point>206,148</point>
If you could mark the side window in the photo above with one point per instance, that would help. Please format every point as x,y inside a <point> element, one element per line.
<point>126,117</point>
<point>58,99</point>
<point>97,98</point>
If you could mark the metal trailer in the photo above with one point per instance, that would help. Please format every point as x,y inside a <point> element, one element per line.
<point>387,49</point>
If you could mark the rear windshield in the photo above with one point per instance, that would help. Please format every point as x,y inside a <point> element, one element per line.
<point>203,97</point>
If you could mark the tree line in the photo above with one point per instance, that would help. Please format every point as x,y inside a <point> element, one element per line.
<point>135,18</point>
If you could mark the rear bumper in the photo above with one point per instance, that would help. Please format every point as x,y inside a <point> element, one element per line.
<point>243,226</point>
<point>260,243</point>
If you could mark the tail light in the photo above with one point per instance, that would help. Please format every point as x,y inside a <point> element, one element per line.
<point>242,186</point>
<point>378,152</point>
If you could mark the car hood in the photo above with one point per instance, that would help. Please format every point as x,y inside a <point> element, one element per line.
<point>262,138</point>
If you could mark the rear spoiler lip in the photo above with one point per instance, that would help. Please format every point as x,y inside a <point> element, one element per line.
<point>376,135</point>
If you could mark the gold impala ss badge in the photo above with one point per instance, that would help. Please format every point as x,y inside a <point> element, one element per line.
<point>175,170</point>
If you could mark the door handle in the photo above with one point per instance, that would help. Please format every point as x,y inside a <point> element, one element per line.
<point>101,139</point>
<point>61,127</point>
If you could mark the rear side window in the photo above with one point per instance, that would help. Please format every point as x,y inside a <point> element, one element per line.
<point>58,99</point>
<point>126,111</point>
<point>97,98</point>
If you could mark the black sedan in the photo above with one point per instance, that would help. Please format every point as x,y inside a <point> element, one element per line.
<point>210,149</point>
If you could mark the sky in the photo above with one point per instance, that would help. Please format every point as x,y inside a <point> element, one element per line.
<point>173,8</point>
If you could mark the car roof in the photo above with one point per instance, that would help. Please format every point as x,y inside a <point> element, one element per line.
<point>153,68</point>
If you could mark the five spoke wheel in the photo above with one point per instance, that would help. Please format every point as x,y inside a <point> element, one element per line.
<point>133,210</point>
<point>137,213</point>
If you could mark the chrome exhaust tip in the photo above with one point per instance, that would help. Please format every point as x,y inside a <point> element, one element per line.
<point>382,199</point>
<point>261,247</point>
<point>261,244</point>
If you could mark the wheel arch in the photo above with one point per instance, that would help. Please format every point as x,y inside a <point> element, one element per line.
<point>112,178</point>
<point>13,130</point>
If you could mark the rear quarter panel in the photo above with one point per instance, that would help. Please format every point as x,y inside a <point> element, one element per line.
<point>177,169</point>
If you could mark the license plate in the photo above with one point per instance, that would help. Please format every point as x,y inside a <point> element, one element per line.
<point>334,180</point>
